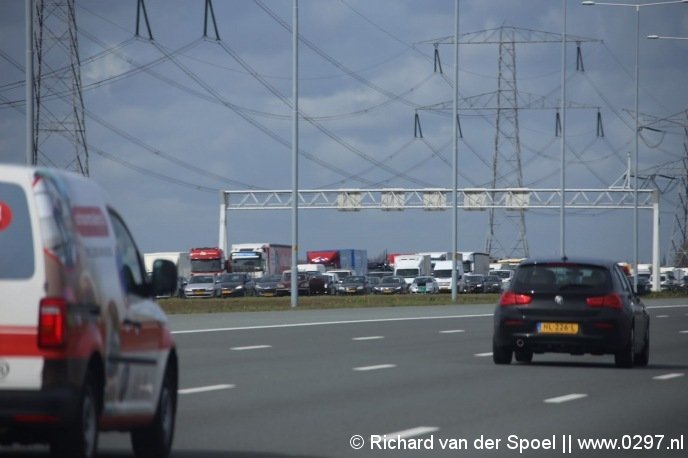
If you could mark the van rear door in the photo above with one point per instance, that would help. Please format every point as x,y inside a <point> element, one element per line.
<point>21,362</point>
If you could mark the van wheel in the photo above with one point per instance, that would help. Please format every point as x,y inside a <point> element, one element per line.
<point>80,439</point>
<point>155,440</point>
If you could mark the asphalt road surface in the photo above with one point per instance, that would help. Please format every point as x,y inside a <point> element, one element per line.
<point>337,383</point>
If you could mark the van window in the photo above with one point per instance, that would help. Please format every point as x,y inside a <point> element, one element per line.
<point>131,268</point>
<point>16,243</point>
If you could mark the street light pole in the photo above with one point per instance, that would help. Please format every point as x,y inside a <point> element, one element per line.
<point>637,126</point>
<point>562,210</point>
<point>660,37</point>
<point>655,239</point>
<point>295,160</point>
<point>455,168</point>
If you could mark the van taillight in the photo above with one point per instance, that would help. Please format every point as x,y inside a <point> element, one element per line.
<point>52,320</point>
<point>509,298</point>
<point>611,301</point>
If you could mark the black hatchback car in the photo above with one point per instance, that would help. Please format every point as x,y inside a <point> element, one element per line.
<point>574,306</point>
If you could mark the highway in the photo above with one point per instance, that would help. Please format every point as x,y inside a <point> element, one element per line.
<point>317,383</point>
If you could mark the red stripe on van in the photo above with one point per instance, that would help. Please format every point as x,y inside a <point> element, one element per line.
<point>23,341</point>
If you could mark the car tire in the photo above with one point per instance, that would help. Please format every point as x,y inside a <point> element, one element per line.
<point>643,358</point>
<point>501,355</point>
<point>80,439</point>
<point>155,440</point>
<point>624,358</point>
<point>523,356</point>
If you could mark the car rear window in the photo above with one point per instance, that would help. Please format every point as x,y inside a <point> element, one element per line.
<point>557,278</point>
<point>16,243</point>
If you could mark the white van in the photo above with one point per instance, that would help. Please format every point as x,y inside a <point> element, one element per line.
<point>83,346</point>
<point>443,274</point>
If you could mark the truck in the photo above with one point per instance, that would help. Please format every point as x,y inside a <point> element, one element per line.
<point>347,259</point>
<point>442,271</point>
<point>260,259</point>
<point>411,266</point>
<point>180,259</point>
<point>207,261</point>
<point>436,256</point>
<point>476,263</point>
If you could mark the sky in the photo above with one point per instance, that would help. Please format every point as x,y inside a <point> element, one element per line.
<point>170,122</point>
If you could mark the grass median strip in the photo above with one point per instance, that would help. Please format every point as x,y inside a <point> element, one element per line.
<point>175,305</point>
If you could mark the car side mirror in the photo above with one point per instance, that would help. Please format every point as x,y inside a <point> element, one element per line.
<point>164,277</point>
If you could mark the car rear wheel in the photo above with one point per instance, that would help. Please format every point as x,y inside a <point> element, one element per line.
<point>624,358</point>
<point>501,355</point>
<point>80,439</point>
<point>155,440</point>
<point>643,358</point>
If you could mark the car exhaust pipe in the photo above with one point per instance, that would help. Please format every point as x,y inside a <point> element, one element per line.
<point>520,343</point>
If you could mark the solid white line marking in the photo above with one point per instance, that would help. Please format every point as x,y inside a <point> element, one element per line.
<point>669,376</point>
<point>376,320</point>
<point>368,338</point>
<point>482,355</point>
<point>325,323</point>
<point>374,368</point>
<point>203,389</point>
<point>683,332</point>
<point>452,331</point>
<point>251,347</point>
<point>566,398</point>
<point>413,432</point>
<point>667,306</point>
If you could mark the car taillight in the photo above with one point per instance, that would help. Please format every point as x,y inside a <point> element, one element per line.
<point>52,320</point>
<point>510,298</point>
<point>611,301</point>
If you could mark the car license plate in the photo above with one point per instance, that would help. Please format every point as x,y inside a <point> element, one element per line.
<point>268,294</point>
<point>558,328</point>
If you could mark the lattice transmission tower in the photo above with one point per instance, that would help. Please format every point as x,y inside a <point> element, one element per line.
<point>507,101</point>
<point>59,127</point>
<point>673,174</point>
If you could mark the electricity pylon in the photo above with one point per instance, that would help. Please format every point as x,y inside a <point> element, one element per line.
<point>507,171</point>
<point>59,128</point>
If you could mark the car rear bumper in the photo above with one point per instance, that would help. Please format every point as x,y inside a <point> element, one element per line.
<point>593,336</point>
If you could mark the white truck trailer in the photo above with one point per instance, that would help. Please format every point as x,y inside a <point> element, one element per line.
<point>411,266</point>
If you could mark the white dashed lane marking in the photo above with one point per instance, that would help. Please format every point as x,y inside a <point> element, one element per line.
<point>413,432</point>
<point>204,389</point>
<point>368,338</point>
<point>668,376</point>
<point>374,368</point>
<point>566,398</point>
<point>251,347</point>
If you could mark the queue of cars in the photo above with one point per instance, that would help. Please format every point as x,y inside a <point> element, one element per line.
<point>330,283</point>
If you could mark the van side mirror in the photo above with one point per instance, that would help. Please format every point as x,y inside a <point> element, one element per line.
<point>164,278</point>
